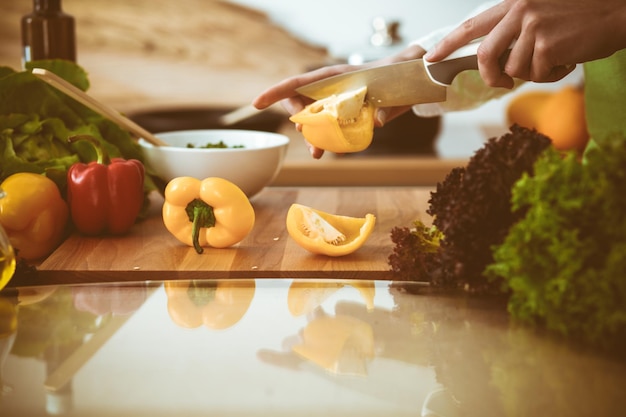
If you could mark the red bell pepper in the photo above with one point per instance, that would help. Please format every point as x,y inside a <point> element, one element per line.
<point>104,196</point>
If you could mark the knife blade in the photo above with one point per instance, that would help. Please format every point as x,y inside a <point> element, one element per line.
<point>400,84</point>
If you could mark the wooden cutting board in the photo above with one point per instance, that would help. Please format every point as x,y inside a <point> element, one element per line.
<point>149,252</point>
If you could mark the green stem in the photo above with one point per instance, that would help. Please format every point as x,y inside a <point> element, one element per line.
<point>102,156</point>
<point>202,216</point>
<point>201,293</point>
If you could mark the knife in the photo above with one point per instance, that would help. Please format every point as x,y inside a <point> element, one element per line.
<point>401,84</point>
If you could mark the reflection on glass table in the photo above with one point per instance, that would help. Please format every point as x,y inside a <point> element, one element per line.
<point>286,347</point>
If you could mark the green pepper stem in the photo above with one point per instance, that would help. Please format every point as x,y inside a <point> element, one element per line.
<point>202,216</point>
<point>102,157</point>
<point>201,293</point>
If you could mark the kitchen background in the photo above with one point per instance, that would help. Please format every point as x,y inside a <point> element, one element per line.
<point>345,26</point>
<point>151,54</point>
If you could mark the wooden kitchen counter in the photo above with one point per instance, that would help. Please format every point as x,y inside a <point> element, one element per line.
<point>149,252</point>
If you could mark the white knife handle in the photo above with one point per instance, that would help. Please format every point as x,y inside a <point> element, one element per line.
<point>443,72</point>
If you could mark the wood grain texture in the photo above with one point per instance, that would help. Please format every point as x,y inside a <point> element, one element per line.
<point>149,252</point>
<point>157,53</point>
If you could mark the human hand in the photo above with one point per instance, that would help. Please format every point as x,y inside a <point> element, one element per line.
<point>551,37</point>
<point>285,91</point>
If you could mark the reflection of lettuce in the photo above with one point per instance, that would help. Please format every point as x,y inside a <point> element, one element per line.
<point>53,321</point>
<point>36,120</point>
<point>493,367</point>
<point>464,328</point>
<point>546,377</point>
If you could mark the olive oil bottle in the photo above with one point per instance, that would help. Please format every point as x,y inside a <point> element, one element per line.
<point>7,257</point>
<point>48,33</point>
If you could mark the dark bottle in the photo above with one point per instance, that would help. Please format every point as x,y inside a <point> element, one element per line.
<point>48,33</point>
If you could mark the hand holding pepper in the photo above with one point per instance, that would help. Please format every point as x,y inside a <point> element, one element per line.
<point>105,195</point>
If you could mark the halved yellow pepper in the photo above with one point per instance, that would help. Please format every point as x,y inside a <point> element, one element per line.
<point>328,234</point>
<point>341,123</point>
<point>216,304</point>
<point>212,212</point>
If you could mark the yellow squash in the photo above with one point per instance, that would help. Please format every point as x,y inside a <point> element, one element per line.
<point>328,234</point>
<point>340,123</point>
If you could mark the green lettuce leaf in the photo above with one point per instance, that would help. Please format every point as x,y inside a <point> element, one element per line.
<point>564,262</point>
<point>36,120</point>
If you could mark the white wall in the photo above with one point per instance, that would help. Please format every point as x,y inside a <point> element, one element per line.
<point>345,25</point>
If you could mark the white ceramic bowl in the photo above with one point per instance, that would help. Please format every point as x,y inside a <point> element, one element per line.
<point>251,167</point>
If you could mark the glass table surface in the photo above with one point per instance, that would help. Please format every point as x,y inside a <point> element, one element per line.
<point>286,347</point>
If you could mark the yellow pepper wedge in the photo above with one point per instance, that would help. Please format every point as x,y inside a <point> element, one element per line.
<point>33,214</point>
<point>328,234</point>
<point>213,212</point>
<point>304,296</point>
<point>334,125</point>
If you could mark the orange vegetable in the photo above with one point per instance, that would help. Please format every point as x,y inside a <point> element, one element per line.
<point>524,109</point>
<point>563,119</point>
<point>559,115</point>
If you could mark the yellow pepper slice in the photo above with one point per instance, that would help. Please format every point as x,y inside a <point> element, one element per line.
<point>304,296</point>
<point>328,234</point>
<point>33,214</point>
<point>340,123</point>
<point>212,212</point>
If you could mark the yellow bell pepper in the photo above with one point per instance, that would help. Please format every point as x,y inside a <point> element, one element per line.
<point>212,212</point>
<point>33,214</point>
<point>216,304</point>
